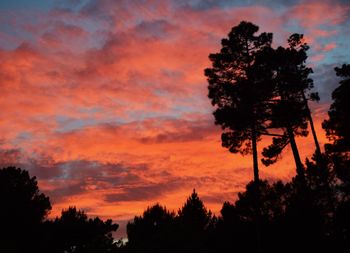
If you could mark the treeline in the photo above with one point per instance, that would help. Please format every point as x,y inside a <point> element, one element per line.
<point>312,217</point>
<point>24,226</point>
<point>298,216</point>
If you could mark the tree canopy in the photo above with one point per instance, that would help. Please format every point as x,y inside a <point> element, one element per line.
<point>23,209</point>
<point>24,226</point>
<point>238,89</point>
<point>74,232</point>
<point>289,108</point>
<point>338,125</point>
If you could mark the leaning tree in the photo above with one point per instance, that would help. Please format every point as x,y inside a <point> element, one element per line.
<point>296,43</point>
<point>239,87</point>
<point>289,106</point>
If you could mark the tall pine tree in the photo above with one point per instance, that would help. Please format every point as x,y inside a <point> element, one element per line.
<point>290,111</point>
<point>238,89</point>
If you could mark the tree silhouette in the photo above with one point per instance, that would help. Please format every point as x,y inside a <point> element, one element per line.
<point>342,226</point>
<point>194,214</point>
<point>232,232</point>
<point>154,231</point>
<point>301,220</point>
<point>338,125</point>
<point>290,110</point>
<point>296,42</point>
<point>238,89</point>
<point>23,209</point>
<point>313,218</point>
<point>195,222</point>
<point>273,200</point>
<point>75,232</point>
<point>337,130</point>
<point>159,230</point>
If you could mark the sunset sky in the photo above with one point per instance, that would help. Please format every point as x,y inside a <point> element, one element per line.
<point>106,101</point>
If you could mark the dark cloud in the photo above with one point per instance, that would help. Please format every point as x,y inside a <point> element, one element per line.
<point>145,192</point>
<point>325,81</point>
<point>76,177</point>
<point>69,7</point>
<point>156,29</point>
<point>9,157</point>
<point>106,11</point>
<point>51,38</point>
<point>172,130</point>
<point>43,168</point>
<point>153,191</point>
<point>65,190</point>
<point>209,4</point>
<point>186,131</point>
<point>69,3</point>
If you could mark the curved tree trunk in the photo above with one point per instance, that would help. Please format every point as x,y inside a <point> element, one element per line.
<point>317,144</point>
<point>299,165</point>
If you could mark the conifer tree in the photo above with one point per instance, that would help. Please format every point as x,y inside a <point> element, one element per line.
<point>290,111</point>
<point>338,125</point>
<point>238,89</point>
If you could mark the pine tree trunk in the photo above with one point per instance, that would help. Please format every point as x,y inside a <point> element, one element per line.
<point>298,163</point>
<point>317,144</point>
<point>318,149</point>
<point>255,155</point>
<point>256,192</point>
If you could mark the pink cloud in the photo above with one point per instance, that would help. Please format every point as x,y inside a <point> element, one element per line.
<point>317,58</point>
<point>312,14</point>
<point>329,47</point>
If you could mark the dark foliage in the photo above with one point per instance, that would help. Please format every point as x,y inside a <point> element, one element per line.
<point>238,88</point>
<point>154,231</point>
<point>23,209</point>
<point>306,217</point>
<point>289,109</point>
<point>24,227</point>
<point>294,217</point>
<point>159,230</point>
<point>74,232</point>
<point>195,222</point>
<point>338,125</point>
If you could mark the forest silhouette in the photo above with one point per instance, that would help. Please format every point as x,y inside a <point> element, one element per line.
<point>256,91</point>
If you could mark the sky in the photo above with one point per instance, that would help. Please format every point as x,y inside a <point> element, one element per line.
<point>105,102</point>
